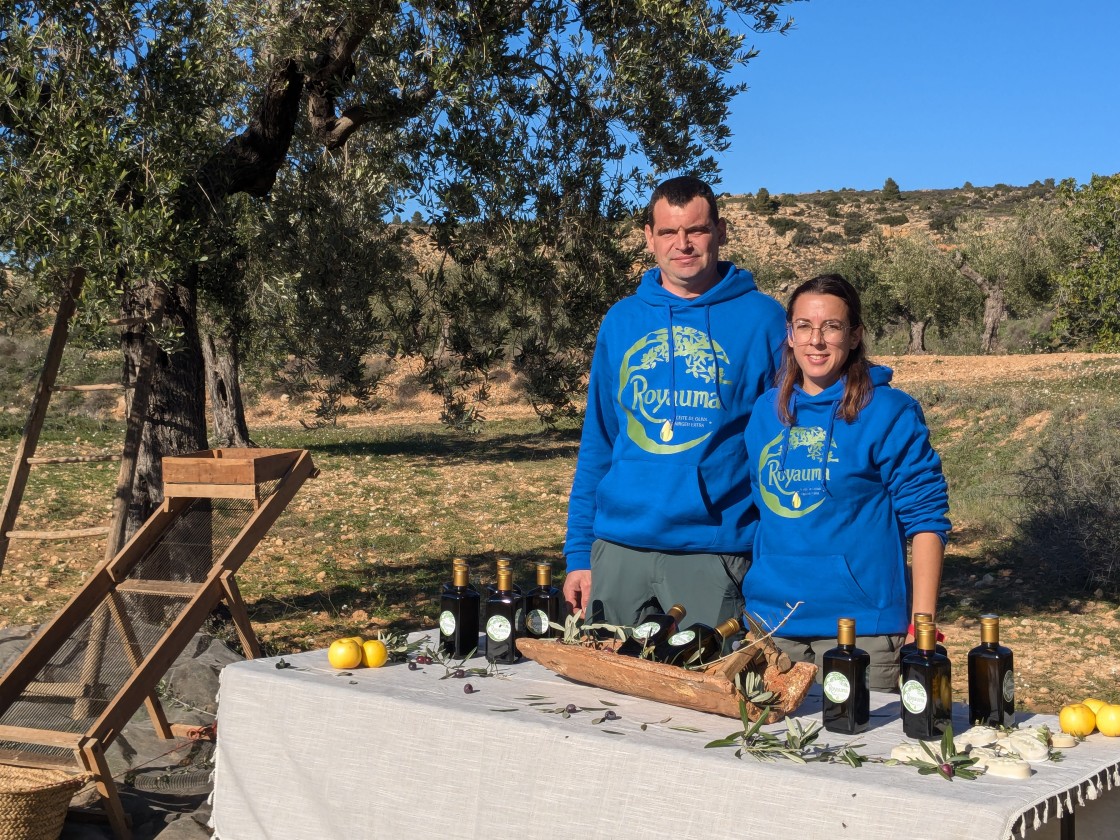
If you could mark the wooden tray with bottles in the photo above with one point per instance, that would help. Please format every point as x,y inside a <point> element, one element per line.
<point>711,689</point>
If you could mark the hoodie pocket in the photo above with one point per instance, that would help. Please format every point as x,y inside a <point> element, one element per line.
<point>823,583</point>
<point>644,499</point>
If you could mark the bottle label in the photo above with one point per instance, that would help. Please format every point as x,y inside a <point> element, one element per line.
<point>447,623</point>
<point>1009,687</point>
<point>519,620</point>
<point>914,697</point>
<point>836,687</point>
<point>682,638</point>
<point>536,621</point>
<point>644,631</point>
<point>498,628</point>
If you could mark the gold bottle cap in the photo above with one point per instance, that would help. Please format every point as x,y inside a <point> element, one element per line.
<point>729,628</point>
<point>926,636</point>
<point>544,574</point>
<point>461,576</point>
<point>677,612</point>
<point>989,629</point>
<point>505,580</point>
<point>920,618</point>
<point>846,631</point>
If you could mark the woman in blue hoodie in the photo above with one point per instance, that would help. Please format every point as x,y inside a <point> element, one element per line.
<point>843,475</point>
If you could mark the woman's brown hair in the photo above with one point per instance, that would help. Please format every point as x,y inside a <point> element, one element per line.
<point>857,389</point>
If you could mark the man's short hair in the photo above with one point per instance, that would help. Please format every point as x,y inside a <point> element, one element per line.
<point>680,191</point>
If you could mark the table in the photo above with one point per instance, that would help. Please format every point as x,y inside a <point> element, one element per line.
<point>389,753</point>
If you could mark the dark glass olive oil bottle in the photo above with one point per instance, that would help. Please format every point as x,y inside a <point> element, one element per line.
<point>991,678</point>
<point>847,695</point>
<point>927,688</point>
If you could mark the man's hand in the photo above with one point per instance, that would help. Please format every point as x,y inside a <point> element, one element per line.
<point>577,591</point>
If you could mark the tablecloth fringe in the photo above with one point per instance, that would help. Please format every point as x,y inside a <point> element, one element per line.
<point>1088,789</point>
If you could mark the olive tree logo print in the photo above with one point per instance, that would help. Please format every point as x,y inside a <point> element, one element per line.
<point>650,406</point>
<point>783,490</point>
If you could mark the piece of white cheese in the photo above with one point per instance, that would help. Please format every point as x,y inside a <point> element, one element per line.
<point>1062,741</point>
<point>1006,767</point>
<point>977,736</point>
<point>1027,745</point>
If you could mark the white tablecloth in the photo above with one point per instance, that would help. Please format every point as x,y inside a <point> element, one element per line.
<point>389,753</point>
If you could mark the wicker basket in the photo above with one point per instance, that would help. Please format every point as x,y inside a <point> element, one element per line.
<point>33,801</point>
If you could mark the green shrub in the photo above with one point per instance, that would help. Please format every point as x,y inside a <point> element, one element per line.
<point>893,219</point>
<point>764,203</point>
<point>803,238</point>
<point>781,224</point>
<point>1069,496</point>
<point>854,228</point>
<point>832,237</point>
<point>944,219</point>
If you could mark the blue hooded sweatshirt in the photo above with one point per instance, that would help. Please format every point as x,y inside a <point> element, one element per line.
<point>835,538</point>
<point>661,462</point>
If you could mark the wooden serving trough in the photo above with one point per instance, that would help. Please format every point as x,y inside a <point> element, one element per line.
<point>711,689</point>
<point>225,473</point>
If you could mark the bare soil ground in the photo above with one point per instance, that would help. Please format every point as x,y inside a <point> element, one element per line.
<point>407,401</point>
<point>1062,653</point>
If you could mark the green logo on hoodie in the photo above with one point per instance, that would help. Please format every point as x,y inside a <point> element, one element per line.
<point>660,413</point>
<point>784,488</point>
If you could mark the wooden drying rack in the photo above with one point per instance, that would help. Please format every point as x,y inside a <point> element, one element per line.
<point>217,474</point>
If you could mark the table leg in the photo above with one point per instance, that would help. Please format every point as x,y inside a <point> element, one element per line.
<point>1066,830</point>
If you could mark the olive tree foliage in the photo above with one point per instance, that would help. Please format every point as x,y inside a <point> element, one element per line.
<point>1014,265</point>
<point>143,140</point>
<point>906,280</point>
<point>1088,296</point>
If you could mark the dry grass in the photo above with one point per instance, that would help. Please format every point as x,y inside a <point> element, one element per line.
<point>369,542</point>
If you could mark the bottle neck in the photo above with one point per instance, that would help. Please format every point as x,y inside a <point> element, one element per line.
<point>926,637</point>
<point>728,628</point>
<point>989,631</point>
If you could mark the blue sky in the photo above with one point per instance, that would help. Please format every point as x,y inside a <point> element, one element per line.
<point>932,94</point>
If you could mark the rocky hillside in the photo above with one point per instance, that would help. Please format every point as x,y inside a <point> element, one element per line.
<point>787,236</point>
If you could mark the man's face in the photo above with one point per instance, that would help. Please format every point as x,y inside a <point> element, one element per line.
<point>685,242</point>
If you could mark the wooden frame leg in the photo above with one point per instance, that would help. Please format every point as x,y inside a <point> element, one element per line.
<point>92,758</point>
<point>132,651</point>
<point>240,615</point>
<point>91,661</point>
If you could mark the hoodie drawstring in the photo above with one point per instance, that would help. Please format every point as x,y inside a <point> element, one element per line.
<point>667,432</point>
<point>715,356</point>
<point>827,451</point>
<point>828,447</point>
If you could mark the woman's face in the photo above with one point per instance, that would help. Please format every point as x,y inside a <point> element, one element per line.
<point>821,338</point>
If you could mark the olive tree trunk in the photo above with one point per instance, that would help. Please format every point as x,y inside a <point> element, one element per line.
<point>223,386</point>
<point>176,415</point>
<point>995,305</point>
<point>917,345</point>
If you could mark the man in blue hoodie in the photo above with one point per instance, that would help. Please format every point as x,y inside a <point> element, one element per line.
<point>660,511</point>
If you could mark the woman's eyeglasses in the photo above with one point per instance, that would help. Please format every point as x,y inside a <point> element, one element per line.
<point>833,332</point>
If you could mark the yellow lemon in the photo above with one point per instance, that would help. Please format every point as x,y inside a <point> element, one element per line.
<point>1077,719</point>
<point>360,641</point>
<point>374,653</point>
<point>344,653</point>
<point>1108,719</point>
<point>1094,704</point>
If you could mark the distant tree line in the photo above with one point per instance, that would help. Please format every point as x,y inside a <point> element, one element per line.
<point>1056,253</point>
